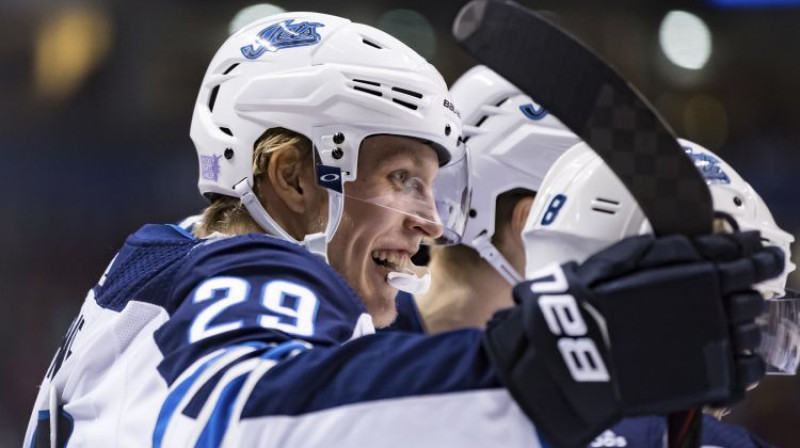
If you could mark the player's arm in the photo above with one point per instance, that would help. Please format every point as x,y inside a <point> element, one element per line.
<point>242,360</point>
<point>394,389</point>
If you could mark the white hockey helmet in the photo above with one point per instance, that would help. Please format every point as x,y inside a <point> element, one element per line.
<point>331,80</point>
<point>583,207</point>
<point>512,143</point>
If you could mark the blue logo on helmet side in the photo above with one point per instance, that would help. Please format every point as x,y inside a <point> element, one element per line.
<point>709,166</point>
<point>533,111</point>
<point>286,34</point>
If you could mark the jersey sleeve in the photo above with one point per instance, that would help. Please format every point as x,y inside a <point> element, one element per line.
<point>270,350</point>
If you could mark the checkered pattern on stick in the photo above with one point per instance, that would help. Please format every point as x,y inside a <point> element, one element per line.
<point>646,157</point>
<point>598,105</point>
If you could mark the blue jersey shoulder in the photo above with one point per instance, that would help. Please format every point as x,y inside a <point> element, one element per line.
<point>253,288</point>
<point>228,290</point>
<point>145,267</point>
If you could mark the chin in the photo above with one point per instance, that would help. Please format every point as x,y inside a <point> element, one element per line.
<point>383,312</point>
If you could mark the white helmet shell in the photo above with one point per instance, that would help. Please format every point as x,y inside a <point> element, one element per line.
<point>583,207</point>
<point>512,143</point>
<point>316,75</point>
<point>322,76</point>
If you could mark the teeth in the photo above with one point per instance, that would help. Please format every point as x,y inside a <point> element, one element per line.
<point>391,259</point>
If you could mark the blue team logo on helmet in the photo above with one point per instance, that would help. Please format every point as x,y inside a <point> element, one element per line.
<point>709,167</point>
<point>533,111</point>
<point>286,34</point>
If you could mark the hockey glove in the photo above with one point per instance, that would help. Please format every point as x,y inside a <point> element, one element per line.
<point>646,326</point>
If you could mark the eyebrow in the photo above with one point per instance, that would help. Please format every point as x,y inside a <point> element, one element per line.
<point>394,152</point>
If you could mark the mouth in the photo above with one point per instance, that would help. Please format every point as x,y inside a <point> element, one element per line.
<point>391,260</point>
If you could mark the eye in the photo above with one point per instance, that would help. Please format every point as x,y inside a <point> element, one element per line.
<point>398,176</point>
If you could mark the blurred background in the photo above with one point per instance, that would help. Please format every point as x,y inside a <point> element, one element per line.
<point>96,100</point>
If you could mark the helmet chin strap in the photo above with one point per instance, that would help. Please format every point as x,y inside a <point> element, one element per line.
<point>316,243</point>
<point>487,250</point>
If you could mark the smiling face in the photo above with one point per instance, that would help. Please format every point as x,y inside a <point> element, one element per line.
<point>387,212</point>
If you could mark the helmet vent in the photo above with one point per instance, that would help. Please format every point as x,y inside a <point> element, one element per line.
<point>408,98</point>
<point>602,210</point>
<point>213,98</point>
<point>500,103</point>
<point>607,206</point>
<point>407,92</point>
<point>480,122</point>
<point>364,81</point>
<point>370,91</point>
<point>405,104</point>
<point>372,44</point>
<point>226,131</point>
<point>375,92</point>
<point>230,69</point>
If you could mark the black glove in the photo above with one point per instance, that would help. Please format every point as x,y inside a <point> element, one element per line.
<point>646,326</point>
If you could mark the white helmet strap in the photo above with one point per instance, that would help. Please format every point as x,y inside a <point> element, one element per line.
<point>258,213</point>
<point>487,250</point>
<point>316,243</point>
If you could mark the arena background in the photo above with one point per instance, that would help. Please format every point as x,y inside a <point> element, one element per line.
<point>96,100</point>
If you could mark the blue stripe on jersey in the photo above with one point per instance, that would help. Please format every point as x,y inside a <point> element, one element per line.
<point>220,417</point>
<point>274,352</point>
<point>174,398</point>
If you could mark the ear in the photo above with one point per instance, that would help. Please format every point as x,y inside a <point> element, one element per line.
<point>519,215</point>
<point>508,237</point>
<point>285,173</point>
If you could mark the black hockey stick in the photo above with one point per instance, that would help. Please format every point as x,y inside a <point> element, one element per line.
<point>597,104</point>
<point>604,110</point>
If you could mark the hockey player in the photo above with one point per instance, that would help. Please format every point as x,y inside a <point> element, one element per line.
<point>513,143</point>
<point>583,207</point>
<point>320,139</point>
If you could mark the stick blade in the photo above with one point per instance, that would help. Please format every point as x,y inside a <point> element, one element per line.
<point>596,103</point>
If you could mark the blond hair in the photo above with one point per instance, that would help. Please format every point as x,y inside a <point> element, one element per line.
<point>227,214</point>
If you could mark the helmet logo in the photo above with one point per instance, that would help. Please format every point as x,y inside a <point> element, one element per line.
<point>329,177</point>
<point>209,167</point>
<point>555,206</point>
<point>533,111</point>
<point>709,166</point>
<point>286,34</point>
<point>452,108</point>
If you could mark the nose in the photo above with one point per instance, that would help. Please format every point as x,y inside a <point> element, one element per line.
<point>426,221</point>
